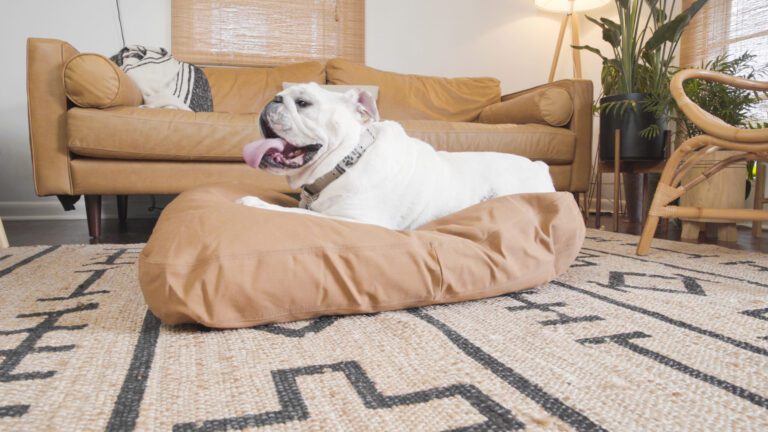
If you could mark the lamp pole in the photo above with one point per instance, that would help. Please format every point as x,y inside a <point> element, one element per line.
<point>574,18</point>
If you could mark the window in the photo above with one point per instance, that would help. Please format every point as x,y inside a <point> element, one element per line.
<point>728,27</point>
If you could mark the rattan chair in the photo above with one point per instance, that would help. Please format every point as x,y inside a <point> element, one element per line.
<point>752,144</point>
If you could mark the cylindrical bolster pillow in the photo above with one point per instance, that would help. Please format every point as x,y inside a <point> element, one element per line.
<point>550,106</point>
<point>93,81</point>
<point>221,264</point>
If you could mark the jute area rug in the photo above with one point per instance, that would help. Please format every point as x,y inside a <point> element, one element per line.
<point>677,340</point>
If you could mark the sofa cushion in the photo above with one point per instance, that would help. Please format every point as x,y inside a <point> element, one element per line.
<point>221,264</point>
<point>552,145</point>
<point>341,88</point>
<point>248,89</point>
<point>158,134</point>
<point>550,106</point>
<point>418,97</point>
<point>94,81</point>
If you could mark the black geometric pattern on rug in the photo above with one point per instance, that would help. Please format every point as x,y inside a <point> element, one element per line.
<point>13,410</point>
<point>530,389</point>
<point>13,357</point>
<point>110,259</point>
<point>761,314</point>
<point>547,307</point>
<point>583,260</point>
<point>669,320</point>
<point>691,255</point>
<point>315,326</point>
<point>601,240</point>
<point>617,281</point>
<point>294,408</point>
<point>630,257</point>
<point>625,340</point>
<point>27,260</point>
<point>28,346</point>
<point>82,289</point>
<point>128,402</point>
<point>553,311</point>
<point>114,257</point>
<point>749,263</point>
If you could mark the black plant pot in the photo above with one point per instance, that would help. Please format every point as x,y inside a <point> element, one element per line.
<point>630,122</point>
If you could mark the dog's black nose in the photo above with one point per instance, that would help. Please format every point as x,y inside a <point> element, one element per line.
<point>278,99</point>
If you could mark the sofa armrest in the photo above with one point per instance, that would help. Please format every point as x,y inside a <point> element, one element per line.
<point>47,109</point>
<point>550,106</point>
<point>581,94</point>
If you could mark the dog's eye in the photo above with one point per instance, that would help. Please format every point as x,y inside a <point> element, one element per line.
<point>301,103</point>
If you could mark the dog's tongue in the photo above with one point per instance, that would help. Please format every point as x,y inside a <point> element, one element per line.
<point>255,151</point>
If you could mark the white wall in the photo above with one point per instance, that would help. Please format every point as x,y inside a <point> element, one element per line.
<point>90,26</point>
<point>506,39</point>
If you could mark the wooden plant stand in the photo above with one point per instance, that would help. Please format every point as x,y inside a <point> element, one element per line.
<point>617,167</point>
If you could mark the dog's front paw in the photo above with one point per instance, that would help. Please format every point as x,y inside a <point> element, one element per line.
<point>252,201</point>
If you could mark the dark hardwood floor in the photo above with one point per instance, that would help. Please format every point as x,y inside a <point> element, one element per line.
<point>745,241</point>
<point>51,232</point>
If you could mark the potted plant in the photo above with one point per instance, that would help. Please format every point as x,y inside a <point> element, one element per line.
<point>635,80</point>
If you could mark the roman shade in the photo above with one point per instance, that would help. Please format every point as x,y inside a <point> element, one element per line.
<point>267,32</point>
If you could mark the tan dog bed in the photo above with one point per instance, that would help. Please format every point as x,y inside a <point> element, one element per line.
<point>221,264</point>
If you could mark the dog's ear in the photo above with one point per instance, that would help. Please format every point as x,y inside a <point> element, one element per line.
<point>366,104</point>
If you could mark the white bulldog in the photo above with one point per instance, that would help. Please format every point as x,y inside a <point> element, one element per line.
<point>352,166</point>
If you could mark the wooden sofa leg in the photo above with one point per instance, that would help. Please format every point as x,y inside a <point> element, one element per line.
<point>93,211</point>
<point>122,208</point>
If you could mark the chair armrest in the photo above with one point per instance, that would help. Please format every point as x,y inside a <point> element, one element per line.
<point>707,122</point>
<point>581,94</point>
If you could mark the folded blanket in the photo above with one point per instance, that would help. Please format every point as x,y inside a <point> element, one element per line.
<point>164,81</point>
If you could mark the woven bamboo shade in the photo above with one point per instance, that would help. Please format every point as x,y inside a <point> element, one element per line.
<point>728,27</point>
<point>267,32</point>
<point>725,27</point>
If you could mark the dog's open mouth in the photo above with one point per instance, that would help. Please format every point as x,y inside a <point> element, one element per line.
<point>275,152</point>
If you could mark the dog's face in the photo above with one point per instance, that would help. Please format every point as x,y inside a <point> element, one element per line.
<point>308,130</point>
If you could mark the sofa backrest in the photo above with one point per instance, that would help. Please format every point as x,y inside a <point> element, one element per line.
<point>419,97</point>
<point>243,90</point>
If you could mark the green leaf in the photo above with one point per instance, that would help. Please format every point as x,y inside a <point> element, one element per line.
<point>595,21</point>
<point>611,32</point>
<point>671,31</point>
<point>590,49</point>
<point>667,32</point>
<point>650,132</point>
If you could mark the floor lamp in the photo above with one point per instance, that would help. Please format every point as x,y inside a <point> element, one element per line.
<point>570,8</point>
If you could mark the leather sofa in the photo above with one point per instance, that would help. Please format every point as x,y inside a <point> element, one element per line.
<point>117,148</point>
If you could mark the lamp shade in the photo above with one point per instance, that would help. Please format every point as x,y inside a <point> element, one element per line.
<point>565,5</point>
